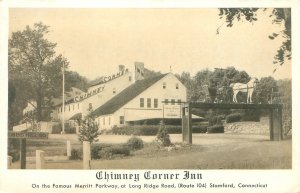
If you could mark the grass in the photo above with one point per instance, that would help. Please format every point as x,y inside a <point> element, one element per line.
<point>51,147</point>
<point>226,152</point>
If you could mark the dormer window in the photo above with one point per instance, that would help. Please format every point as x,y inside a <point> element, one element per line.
<point>164,85</point>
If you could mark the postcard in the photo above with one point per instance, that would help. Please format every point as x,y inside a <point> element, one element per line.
<point>158,96</point>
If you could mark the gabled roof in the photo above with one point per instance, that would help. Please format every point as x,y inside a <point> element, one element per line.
<point>69,96</point>
<point>126,95</point>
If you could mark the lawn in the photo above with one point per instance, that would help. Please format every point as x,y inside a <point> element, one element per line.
<point>213,151</point>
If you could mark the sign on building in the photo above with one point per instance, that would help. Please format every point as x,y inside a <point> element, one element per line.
<point>172,111</point>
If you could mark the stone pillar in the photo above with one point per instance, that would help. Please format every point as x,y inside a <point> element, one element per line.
<point>86,155</point>
<point>69,148</point>
<point>9,161</point>
<point>23,153</point>
<point>40,159</point>
<point>187,125</point>
<point>276,125</point>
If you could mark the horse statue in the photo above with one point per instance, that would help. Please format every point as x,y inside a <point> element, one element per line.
<point>241,87</point>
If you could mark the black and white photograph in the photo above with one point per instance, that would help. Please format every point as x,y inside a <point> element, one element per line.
<point>152,96</point>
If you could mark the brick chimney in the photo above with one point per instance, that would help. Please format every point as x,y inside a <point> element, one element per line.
<point>121,68</point>
<point>139,70</point>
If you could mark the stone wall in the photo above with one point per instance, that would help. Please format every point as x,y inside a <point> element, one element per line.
<point>248,127</point>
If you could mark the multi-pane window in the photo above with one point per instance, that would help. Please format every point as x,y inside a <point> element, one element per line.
<point>155,103</point>
<point>121,120</point>
<point>164,85</point>
<point>173,101</point>
<point>148,103</point>
<point>141,102</point>
<point>166,101</point>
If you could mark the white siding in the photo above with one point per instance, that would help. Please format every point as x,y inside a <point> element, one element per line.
<point>133,111</point>
<point>118,84</point>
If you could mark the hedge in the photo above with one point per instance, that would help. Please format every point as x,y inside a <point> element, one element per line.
<point>245,115</point>
<point>215,120</point>
<point>152,130</point>
<point>108,151</point>
<point>56,129</point>
<point>215,129</point>
<point>14,149</point>
<point>251,115</point>
<point>234,117</point>
<point>76,154</point>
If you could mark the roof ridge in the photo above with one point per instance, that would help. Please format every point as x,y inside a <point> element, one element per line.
<point>126,95</point>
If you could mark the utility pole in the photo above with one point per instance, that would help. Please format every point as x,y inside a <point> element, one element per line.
<point>63,100</point>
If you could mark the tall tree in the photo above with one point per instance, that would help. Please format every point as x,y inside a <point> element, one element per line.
<point>264,89</point>
<point>73,79</point>
<point>278,15</point>
<point>34,68</point>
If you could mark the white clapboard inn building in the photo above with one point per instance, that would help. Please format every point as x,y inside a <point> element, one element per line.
<point>158,97</point>
<point>98,93</point>
<point>123,98</point>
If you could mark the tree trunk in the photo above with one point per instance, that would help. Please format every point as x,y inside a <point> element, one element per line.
<point>39,109</point>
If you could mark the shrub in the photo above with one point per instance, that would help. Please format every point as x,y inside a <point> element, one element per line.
<point>13,149</point>
<point>146,130</point>
<point>215,120</point>
<point>95,150</point>
<point>251,115</point>
<point>56,129</point>
<point>152,130</point>
<point>109,152</point>
<point>76,154</point>
<point>70,130</point>
<point>163,136</point>
<point>215,129</point>
<point>172,129</point>
<point>135,143</point>
<point>199,129</point>
<point>234,117</point>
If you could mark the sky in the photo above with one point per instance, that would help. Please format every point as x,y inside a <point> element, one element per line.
<point>96,41</point>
